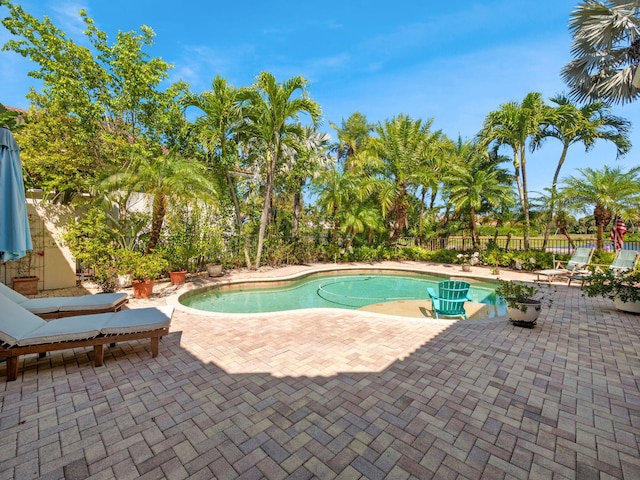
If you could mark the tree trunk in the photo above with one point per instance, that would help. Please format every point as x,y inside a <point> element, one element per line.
<point>297,212</point>
<point>525,199</point>
<point>602,216</point>
<point>238,215</point>
<point>157,220</point>
<point>552,201</point>
<point>266,206</point>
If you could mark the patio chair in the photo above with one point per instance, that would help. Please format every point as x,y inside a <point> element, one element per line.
<point>624,261</point>
<point>22,332</point>
<point>450,299</point>
<point>577,263</point>
<point>58,307</point>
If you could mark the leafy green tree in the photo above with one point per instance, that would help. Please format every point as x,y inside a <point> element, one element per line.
<point>100,106</point>
<point>571,124</point>
<point>516,125</point>
<point>610,191</point>
<point>605,50</point>
<point>272,112</point>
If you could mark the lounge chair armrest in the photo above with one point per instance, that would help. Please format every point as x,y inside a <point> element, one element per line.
<point>432,293</point>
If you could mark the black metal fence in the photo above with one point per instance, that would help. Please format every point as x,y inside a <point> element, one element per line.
<point>556,245</point>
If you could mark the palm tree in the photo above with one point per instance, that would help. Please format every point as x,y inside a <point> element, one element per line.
<point>516,125</point>
<point>336,191</point>
<point>165,177</point>
<point>272,112</point>
<point>300,165</point>
<point>353,137</point>
<point>401,146</point>
<point>610,191</point>
<point>476,185</point>
<point>587,124</point>
<point>219,129</point>
<point>431,169</point>
<point>605,50</point>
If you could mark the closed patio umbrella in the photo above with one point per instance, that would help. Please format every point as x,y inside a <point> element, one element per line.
<point>15,236</point>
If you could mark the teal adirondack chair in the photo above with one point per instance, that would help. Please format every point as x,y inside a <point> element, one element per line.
<point>450,299</point>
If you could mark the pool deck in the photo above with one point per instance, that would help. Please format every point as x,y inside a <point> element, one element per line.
<point>338,394</point>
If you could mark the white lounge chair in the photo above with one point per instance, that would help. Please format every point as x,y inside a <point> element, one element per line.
<point>578,262</point>
<point>22,332</point>
<point>58,307</point>
<point>624,261</point>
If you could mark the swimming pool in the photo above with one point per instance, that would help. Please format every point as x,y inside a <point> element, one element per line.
<point>333,289</point>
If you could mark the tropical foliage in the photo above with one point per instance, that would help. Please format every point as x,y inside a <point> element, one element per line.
<point>174,172</point>
<point>606,51</point>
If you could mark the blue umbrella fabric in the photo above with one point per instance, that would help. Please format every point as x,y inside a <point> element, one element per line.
<point>15,236</point>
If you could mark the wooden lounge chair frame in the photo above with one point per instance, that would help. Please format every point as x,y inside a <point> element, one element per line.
<point>12,354</point>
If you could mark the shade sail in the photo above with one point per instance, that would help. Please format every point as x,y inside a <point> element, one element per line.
<point>15,236</point>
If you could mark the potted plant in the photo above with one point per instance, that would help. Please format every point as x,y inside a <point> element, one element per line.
<point>144,269</point>
<point>466,260</point>
<point>523,301</point>
<point>25,282</point>
<point>212,248</point>
<point>622,288</point>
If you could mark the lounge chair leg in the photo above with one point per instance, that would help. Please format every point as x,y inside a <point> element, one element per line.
<point>155,346</point>
<point>12,368</point>
<point>98,355</point>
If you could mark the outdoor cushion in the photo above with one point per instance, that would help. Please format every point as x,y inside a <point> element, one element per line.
<point>138,320</point>
<point>16,322</point>
<point>12,294</point>
<point>66,329</point>
<point>82,303</point>
<point>101,301</point>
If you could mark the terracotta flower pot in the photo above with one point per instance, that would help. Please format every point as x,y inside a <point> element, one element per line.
<point>178,277</point>
<point>26,285</point>
<point>142,289</point>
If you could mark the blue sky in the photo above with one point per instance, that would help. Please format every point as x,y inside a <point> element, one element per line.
<point>450,61</point>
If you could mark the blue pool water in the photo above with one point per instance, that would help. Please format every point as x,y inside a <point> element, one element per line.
<point>350,291</point>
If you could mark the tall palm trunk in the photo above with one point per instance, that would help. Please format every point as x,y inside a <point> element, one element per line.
<point>238,215</point>
<point>157,220</point>
<point>266,206</point>
<point>602,216</point>
<point>552,200</point>
<point>297,212</point>
<point>520,178</point>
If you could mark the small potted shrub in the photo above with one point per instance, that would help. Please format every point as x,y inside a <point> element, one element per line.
<point>622,288</point>
<point>144,269</point>
<point>523,301</point>
<point>467,260</point>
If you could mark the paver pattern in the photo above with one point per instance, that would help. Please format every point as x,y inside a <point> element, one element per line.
<point>325,394</point>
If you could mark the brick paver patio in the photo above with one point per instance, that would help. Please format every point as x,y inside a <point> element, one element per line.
<point>339,394</point>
